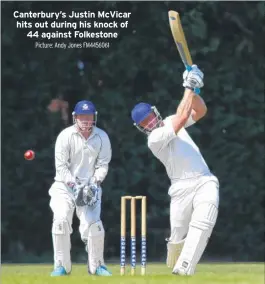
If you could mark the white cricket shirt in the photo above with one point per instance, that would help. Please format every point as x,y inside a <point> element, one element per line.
<point>179,154</point>
<point>77,157</point>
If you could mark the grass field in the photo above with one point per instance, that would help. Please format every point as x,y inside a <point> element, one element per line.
<point>247,273</point>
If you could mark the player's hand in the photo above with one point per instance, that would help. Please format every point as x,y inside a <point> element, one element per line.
<point>85,194</point>
<point>77,189</point>
<point>90,194</point>
<point>193,79</point>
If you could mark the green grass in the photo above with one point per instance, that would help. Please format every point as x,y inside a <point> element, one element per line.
<point>228,273</point>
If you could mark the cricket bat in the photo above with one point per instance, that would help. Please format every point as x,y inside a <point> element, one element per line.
<point>179,38</point>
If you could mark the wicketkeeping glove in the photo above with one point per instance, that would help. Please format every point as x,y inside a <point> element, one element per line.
<point>91,194</point>
<point>193,79</point>
<point>85,194</point>
<point>78,191</point>
<point>93,191</point>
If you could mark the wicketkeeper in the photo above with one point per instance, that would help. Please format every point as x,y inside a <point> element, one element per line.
<point>82,156</point>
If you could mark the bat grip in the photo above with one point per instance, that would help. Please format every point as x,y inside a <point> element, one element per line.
<point>188,67</point>
<point>197,91</point>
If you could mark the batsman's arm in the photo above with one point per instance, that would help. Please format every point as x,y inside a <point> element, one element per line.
<point>161,136</point>
<point>62,150</point>
<point>184,110</point>
<point>199,110</point>
<point>103,160</point>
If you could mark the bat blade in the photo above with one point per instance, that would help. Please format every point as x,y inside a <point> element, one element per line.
<point>179,38</point>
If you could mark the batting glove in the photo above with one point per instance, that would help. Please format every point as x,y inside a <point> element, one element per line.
<point>193,79</point>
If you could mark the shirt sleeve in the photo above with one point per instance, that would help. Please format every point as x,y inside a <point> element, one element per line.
<point>104,158</point>
<point>189,122</point>
<point>160,137</point>
<point>62,156</point>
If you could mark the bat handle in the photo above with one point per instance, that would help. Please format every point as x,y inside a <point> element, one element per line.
<point>188,67</point>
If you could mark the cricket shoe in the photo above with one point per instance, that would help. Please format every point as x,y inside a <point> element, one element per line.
<point>103,271</point>
<point>59,271</point>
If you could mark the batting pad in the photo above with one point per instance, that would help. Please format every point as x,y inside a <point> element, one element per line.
<point>61,244</point>
<point>95,246</point>
<point>201,226</point>
<point>173,252</point>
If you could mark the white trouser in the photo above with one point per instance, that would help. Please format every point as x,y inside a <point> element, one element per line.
<point>193,213</point>
<point>63,206</point>
<point>204,189</point>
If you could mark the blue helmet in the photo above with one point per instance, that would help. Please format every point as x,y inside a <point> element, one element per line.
<point>140,112</point>
<point>85,107</point>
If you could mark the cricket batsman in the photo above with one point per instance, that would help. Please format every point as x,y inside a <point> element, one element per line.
<point>194,190</point>
<point>82,156</point>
